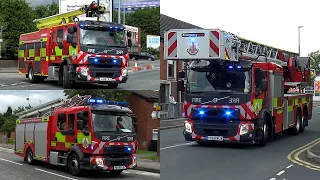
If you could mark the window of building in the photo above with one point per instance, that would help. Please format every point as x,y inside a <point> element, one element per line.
<point>61,124</point>
<point>171,65</point>
<point>71,122</point>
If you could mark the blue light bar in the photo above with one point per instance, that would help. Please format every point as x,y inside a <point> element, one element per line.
<point>239,67</point>
<point>95,60</point>
<point>228,113</point>
<point>230,67</point>
<point>103,101</point>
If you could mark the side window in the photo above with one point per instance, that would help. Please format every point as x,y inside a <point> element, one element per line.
<point>59,36</point>
<point>62,122</point>
<point>71,122</point>
<point>83,115</point>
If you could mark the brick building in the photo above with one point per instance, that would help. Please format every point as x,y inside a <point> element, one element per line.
<point>142,103</point>
<point>168,68</point>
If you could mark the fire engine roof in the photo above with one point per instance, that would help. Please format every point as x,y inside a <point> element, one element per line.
<point>167,23</point>
<point>110,108</point>
<point>100,23</point>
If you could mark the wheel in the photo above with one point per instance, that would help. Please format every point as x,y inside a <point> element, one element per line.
<point>116,172</point>
<point>74,165</point>
<point>265,134</point>
<point>296,130</point>
<point>113,85</point>
<point>133,58</point>
<point>149,59</point>
<point>32,78</point>
<point>29,157</point>
<point>67,83</point>
<point>303,123</point>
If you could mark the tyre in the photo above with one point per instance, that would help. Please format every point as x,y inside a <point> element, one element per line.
<point>303,123</point>
<point>74,165</point>
<point>113,85</point>
<point>296,130</point>
<point>31,77</point>
<point>150,59</point>
<point>67,83</point>
<point>265,134</point>
<point>29,158</point>
<point>116,172</point>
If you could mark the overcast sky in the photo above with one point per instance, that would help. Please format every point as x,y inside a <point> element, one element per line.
<point>18,98</point>
<point>40,2</point>
<point>271,22</point>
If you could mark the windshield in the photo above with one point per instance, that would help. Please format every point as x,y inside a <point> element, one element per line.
<point>219,81</point>
<point>102,38</point>
<point>103,122</point>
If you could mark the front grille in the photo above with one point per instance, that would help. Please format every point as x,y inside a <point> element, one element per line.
<point>121,161</point>
<point>107,75</point>
<point>116,150</point>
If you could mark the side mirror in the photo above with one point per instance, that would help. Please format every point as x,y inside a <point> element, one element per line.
<point>129,34</point>
<point>72,29</point>
<point>264,85</point>
<point>80,124</point>
<point>180,85</point>
<point>182,74</point>
<point>129,43</point>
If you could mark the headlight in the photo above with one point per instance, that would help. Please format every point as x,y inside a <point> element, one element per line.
<point>188,127</point>
<point>84,71</point>
<point>124,72</point>
<point>244,128</point>
<point>99,162</point>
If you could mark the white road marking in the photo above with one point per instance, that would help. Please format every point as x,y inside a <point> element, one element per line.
<point>281,172</point>
<point>184,144</point>
<point>11,162</point>
<point>54,174</point>
<point>289,166</point>
<point>141,173</point>
<point>272,179</point>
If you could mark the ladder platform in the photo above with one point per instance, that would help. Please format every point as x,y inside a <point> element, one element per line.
<point>294,84</point>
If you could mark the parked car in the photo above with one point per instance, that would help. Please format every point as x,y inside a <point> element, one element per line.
<point>144,55</point>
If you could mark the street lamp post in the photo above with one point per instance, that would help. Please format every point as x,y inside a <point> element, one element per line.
<point>299,27</point>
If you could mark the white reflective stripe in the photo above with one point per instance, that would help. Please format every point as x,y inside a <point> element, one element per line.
<point>224,106</point>
<point>99,148</point>
<point>242,111</point>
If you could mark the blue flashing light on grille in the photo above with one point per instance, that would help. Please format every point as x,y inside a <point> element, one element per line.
<point>95,60</point>
<point>239,67</point>
<point>110,27</point>
<point>81,25</point>
<point>201,112</point>
<point>228,113</point>
<point>91,147</point>
<point>230,67</point>
<point>115,61</point>
<point>129,148</point>
<point>103,101</point>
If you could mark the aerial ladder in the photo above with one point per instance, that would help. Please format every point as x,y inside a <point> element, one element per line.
<point>92,10</point>
<point>232,48</point>
<point>46,109</point>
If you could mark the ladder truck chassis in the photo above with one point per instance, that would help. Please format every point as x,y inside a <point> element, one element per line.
<point>254,116</point>
<point>39,139</point>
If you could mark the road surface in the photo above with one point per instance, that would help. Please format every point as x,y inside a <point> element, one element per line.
<point>13,167</point>
<point>184,160</point>
<point>139,80</point>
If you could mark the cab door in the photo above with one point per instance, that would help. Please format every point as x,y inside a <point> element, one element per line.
<point>65,133</point>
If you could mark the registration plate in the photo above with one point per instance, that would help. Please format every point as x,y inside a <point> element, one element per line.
<point>215,138</point>
<point>105,79</point>
<point>119,167</point>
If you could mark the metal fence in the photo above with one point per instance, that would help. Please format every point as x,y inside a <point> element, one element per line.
<point>176,111</point>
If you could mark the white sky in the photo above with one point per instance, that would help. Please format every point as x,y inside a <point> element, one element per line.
<point>271,22</point>
<point>18,98</point>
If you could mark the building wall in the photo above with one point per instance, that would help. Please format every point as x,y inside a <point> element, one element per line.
<point>143,109</point>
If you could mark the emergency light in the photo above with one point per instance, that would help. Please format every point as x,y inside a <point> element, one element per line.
<point>103,101</point>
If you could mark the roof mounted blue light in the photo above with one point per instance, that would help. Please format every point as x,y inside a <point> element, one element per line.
<point>230,67</point>
<point>94,101</point>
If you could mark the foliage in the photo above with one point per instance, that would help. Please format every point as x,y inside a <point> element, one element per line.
<point>152,51</point>
<point>315,60</point>
<point>47,10</point>
<point>8,119</point>
<point>118,95</point>
<point>18,17</point>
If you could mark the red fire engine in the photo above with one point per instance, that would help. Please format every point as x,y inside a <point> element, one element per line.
<point>74,49</point>
<point>237,90</point>
<point>99,136</point>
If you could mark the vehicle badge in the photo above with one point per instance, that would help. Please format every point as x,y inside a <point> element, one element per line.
<point>257,107</point>
<point>193,48</point>
<point>85,143</point>
<point>74,55</point>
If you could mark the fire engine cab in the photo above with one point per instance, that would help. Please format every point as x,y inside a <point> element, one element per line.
<point>74,49</point>
<point>81,133</point>
<point>237,90</point>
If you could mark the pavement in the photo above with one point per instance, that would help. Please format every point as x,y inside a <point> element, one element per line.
<point>285,158</point>
<point>171,123</point>
<point>13,167</point>
<point>146,78</point>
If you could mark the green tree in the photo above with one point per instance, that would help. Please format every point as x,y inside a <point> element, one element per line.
<point>119,95</point>
<point>315,60</point>
<point>9,121</point>
<point>43,11</point>
<point>18,17</point>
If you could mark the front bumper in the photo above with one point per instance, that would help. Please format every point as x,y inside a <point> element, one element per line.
<point>101,163</point>
<point>224,133</point>
<point>101,75</point>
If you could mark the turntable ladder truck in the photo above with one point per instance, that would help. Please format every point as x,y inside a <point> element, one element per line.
<point>73,134</point>
<point>74,49</point>
<point>236,90</point>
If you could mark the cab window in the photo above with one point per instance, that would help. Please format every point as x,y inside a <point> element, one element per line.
<point>61,123</point>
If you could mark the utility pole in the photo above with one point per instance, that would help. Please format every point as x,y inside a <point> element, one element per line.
<point>124,13</point>
<point>1,39</point>
<point>299,27</point>
<point>119,9</point>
